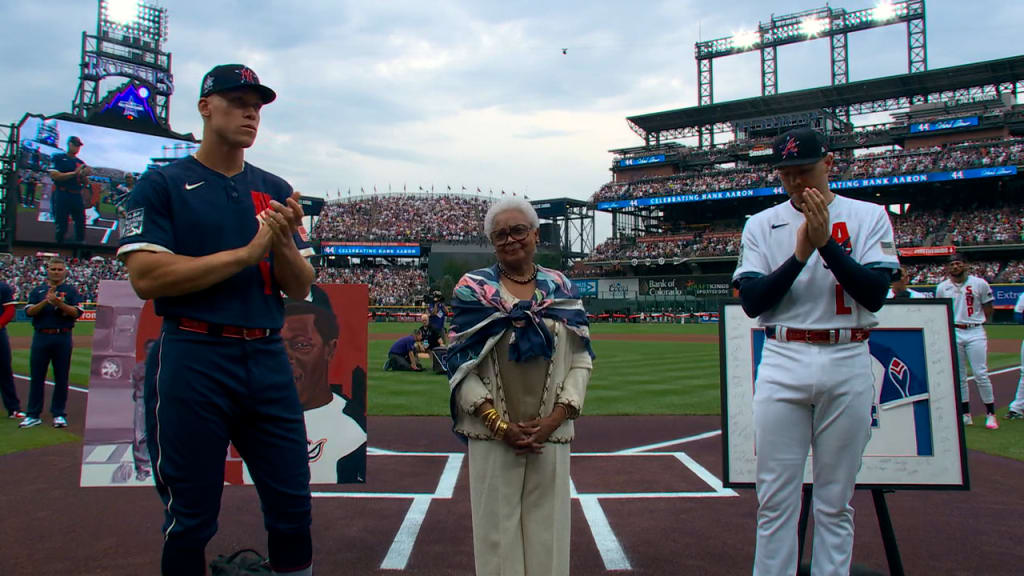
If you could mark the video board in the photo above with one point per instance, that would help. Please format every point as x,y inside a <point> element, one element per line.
<point>115,159</point>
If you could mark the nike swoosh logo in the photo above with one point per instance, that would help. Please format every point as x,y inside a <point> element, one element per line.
<point>774,226</point>
<point>194,186</point>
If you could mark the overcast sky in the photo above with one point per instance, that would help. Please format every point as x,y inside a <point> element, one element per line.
<point>472,93</point>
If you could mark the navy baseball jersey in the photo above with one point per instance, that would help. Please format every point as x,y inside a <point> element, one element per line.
<point>67,163</point>
<point>6,294</point>
<point>50,318</point>
<point>188,209</point>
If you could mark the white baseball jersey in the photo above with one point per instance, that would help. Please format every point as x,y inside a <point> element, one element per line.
<point>816,300</point>
<point>331,434</point>
<point>968,298</point>
<point>910,294</point>
<point>1019,306</point>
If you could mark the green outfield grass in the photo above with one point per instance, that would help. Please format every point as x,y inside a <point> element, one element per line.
<point>14,440</point>
<point>630,377</point>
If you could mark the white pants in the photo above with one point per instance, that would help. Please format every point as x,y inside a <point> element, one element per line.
<point>972,346</point>
<point>1018,401</point>
<point>809,396</point>
<point>521,509</point>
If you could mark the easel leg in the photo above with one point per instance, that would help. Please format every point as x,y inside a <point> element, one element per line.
<point>892,551</point>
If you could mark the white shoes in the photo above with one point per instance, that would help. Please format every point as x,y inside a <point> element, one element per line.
<point>968,421</point>
<point>991,423</point>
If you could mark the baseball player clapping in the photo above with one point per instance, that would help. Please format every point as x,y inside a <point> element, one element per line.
<point>813,270</point>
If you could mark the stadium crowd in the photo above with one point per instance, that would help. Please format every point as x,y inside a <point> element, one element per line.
<point>922,228</point>
<point>404,218</point>
<point>27,272</point>
<point>389,285</point>
<point>870,165</point>
<point>991,270</point>
<point>676,246</point>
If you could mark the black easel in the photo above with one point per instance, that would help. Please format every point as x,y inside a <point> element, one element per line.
<point>892,550</point>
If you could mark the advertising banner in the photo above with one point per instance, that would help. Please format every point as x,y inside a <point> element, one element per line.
<point>686,286</point>
<point>618,287</point>
<point>900,180</point>
<point>927,251</point>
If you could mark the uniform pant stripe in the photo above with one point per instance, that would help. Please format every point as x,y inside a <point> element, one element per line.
<point>159,449</point>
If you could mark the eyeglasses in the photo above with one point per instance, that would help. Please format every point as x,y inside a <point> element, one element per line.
<point>517,232</point>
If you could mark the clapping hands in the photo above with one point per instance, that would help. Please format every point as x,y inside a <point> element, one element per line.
<point>284,220</point>
<point>814,232</point>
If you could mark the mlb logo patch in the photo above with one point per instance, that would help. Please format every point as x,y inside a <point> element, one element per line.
<point>133,222</point>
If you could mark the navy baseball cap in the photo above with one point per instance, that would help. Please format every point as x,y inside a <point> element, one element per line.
<point>957,257</point>
<point>798,147</point>
<point>231,77</point>
<point>75,140</point>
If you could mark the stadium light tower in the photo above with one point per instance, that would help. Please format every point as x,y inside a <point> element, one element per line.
<point>836,23</point>
<point>122,11</point>
<point>128,43</point>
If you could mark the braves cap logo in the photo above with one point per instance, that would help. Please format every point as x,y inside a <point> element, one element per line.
<point>248,76</point>
<point>899,373</point>
<point>792,148</point>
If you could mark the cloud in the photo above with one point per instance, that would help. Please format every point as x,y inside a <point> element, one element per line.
<point>464,93</point>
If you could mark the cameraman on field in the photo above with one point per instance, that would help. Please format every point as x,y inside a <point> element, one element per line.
<point>437,312</point>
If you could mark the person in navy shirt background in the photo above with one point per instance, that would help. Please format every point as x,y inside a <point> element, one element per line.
<point>70,175</point>
<point>53,308</point>
<point>402,354</point>
<point>438,311</point>
<point>7,390</point>
<point>215,241</point>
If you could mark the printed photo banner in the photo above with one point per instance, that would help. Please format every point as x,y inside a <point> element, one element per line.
<point>326,339</point>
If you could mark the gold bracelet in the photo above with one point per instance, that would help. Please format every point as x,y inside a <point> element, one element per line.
<point>502,428</point>
<point>487,416</point>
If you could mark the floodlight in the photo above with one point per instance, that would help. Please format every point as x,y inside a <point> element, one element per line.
<point>813,26</point>
<point>122,11</point>
<point>745,39</point>
<point>883,11</point>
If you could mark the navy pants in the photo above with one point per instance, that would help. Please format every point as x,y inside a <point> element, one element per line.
<point>204,391</point>
<point>7,389</point>
<point>47,349</point>
<point>68,204</point>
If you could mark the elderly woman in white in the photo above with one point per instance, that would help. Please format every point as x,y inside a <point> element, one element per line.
<point>519,364</point>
